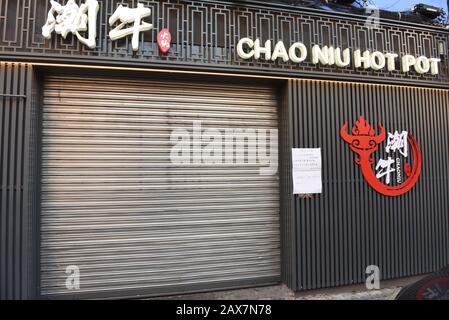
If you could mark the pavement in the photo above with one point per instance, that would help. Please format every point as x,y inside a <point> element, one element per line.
<point>281,292</point>
<point>381,294</point>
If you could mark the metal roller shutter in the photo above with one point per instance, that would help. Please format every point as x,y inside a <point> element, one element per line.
<point>115,206</point>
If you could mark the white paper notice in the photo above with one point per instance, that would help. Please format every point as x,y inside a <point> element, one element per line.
<point>306,171</point>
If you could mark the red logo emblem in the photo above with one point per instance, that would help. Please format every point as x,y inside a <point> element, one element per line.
<point>163,40</point>
<point>364,142</point>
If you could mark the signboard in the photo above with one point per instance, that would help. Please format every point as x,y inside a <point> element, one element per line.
<point>71,18</point>
<point>390,176</point>
<point>127,21</point>
<point>306,170</point>
<point>330,56</point>
<point>163,40</point>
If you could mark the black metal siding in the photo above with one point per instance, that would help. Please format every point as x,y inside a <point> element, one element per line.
<point>288,232</point>
<point>326,241</point>
<point>17,194</point>
<point>350,226</point>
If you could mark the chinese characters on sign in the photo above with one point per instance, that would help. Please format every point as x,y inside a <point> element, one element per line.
<point>131,17</point>
<point>163,40</point>
<point>383,168</point>
<point>395,142</point>
<point>74,18</point>
<point>398,142</point>
<point>71,18</point>
<point>364,142</point>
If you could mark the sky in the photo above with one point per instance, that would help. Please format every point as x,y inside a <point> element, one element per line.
<point>404,5</point>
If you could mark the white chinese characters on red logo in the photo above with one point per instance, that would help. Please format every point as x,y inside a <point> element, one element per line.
<point>163,40</point>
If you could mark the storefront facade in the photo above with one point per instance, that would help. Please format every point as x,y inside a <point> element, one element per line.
<point>96,180</point>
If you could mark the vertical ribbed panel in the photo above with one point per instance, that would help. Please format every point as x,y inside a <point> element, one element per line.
<point>288,233</point>
<point>350,226</point>
<point>15,203</point>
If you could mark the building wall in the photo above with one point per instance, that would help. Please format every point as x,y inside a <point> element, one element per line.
<point>287,210</point>
<point>327,240</point>
<point>350,226</point>
<point>18,193</point>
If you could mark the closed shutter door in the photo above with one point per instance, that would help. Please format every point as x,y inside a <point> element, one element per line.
<point>116,207</point>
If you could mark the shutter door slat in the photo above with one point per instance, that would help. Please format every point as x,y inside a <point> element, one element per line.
<point>114,205</point>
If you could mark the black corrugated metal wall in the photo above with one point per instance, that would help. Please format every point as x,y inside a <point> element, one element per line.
<point>287,213</point>
<point>350,226</point>
<point>18,220</point>
<point>327,240</point>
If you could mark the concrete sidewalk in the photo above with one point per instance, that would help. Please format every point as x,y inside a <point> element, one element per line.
<point>281,292</point>
<point>389,289</point>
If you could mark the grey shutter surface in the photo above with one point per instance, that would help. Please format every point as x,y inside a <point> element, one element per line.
<point>114,204</point>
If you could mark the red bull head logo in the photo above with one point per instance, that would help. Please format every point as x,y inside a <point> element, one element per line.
<point>364,142</point>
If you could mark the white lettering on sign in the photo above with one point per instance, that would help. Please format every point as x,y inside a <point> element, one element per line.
<point>385,169</point>
<point>320,55</point>
<point>296,48</point>
<point>329,56</point>
<point>128,16</point>
<point>421,64</point>
<point>398,171</point>
<point>248,43</point>
<point>391,61</point>
<point>377,60</point>
<point>264,50</point>
<point>342,61</point>
<point>247,48</point>
<point>279,51</point>
<point>74,19</point>
<point>362,59</point>
<point>396,142</point>
<point>71,18</point>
